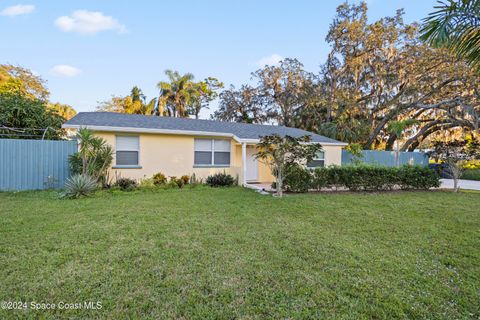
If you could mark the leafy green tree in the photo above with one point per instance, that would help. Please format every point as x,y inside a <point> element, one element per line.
<point>64,110</point>
<point>243,105</point>
<point>396,130</point>
<point>135,103</point>
<point>377,76</point>
<point>181,96</point>
<point>283,90</point>
<point>455,25</point>
<point>176,95</point>
<point>22,81</point>
<point>455,154</point>
<point>206,92</point>
<point>281,152</point>
<point>380,72</point>
<point>22,117</point>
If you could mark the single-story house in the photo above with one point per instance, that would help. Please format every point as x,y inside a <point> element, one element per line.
<point>145,145</point>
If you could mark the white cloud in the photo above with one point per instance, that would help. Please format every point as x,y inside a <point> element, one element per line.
<point>89,22</point>
<point>64,70</point>
<point>271,60</point>
<point>17,10</point>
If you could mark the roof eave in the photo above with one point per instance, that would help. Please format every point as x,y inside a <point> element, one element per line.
<point>150,130</point>
<point>178,132</point>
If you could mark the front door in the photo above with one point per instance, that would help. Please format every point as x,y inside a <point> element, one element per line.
<point>252,164</point>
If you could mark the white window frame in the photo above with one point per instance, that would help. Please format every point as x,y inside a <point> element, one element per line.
<point>117,149</point>
<point>318,159</point>
<point>212,151</point>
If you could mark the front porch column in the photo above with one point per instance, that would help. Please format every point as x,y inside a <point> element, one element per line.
<point>244,163</point>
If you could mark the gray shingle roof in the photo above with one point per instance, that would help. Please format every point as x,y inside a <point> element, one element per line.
<point>241,130</point>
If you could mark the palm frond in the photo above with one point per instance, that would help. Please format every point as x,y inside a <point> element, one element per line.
<point>455,25</point>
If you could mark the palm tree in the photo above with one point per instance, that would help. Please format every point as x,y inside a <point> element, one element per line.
<point>176,95</point>
<point>455,25</point>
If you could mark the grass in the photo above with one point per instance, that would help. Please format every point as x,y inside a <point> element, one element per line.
<point>232,253</point>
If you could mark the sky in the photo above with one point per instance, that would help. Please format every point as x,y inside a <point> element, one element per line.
<point>89,50</point>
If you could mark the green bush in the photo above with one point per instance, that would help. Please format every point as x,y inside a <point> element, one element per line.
<point>174,182</point>
<point>94,157</point>
<point>297,179</point>
<point>159,179</point>
<point>147,183</point>
<point>220,180</point>
<point>126,184</point>
<point>416,177</point>
<point>78,186</point>
<point>185,179</point>
<point>471,174</point>
<point>320,178</point>
<point>361,178</point>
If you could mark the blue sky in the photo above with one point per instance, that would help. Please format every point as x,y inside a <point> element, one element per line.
<point>89,50</point>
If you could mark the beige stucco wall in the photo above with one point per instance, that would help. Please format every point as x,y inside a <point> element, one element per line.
<point>333,155</point>
<point>170,154</point>
<point>173,155</point>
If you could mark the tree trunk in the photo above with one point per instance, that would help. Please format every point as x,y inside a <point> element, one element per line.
<point>397,154</point>
<point>390,142</point>
<point>279,183</point>
<point>456,172</point>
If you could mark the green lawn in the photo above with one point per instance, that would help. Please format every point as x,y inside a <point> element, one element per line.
<point>232,253</point>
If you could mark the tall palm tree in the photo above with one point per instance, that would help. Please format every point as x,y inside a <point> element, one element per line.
<point>176,95</point>
<point>455,25</point>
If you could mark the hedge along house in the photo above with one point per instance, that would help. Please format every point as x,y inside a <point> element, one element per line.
<point>145,145</point>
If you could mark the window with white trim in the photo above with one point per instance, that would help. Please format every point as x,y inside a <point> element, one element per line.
<point>318,160</point>
<point>127,149</point>
<point>212,152</point>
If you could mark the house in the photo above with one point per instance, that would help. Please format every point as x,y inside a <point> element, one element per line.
<point>145,145</point>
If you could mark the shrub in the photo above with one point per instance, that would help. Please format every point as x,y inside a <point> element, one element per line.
<point>94,157</point>
<point>78,186</point>
<point>361,177</point>
<point>185,179</point>
<point>297,179</point>
<point>416,177</point>
<point>126,184</point>
<point>171,184</point>
<point>174,182</point>
<point>147,183</point>
<point>369,178</point>
<point>320,178</point>
<point>335,177</point>
<point>194,181</point>
<point>471,174</point>
<point>159,179</point>
<point>220,180</point>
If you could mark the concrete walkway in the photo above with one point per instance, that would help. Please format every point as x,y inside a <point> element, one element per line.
<point>464,184</point>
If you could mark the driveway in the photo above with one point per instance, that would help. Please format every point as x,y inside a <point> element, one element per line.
<point>464,184</point>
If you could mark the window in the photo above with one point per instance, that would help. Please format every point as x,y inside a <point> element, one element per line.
<point>212,152</point>
<point>318,161</point>
<point>127,148</point>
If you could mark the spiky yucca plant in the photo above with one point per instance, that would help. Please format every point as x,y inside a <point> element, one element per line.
<point>78,186</point>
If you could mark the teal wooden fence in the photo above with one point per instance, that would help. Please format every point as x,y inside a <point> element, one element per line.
<point>387,158</point>
<point>34,164</point>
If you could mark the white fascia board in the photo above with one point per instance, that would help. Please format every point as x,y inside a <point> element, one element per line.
<point>148,130</point>
<point>340,144</point>
<point>179,132</point>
